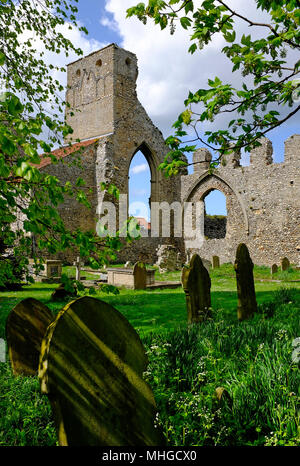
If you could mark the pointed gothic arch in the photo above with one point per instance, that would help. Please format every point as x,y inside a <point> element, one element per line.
<point>208,182</point>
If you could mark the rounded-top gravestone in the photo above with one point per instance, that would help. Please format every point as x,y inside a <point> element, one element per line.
<point>91,367</point>
<point>139,276</point>
<point>243,265</point>
<point>216,262</point>
<point>196,283</point>
<point>26,326</point>
<point>285,264</point>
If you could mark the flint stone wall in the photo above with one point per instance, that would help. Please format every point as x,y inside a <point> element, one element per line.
<point>102,86</point>
<point>263,199</point>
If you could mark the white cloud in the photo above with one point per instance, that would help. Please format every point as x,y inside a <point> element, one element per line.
<point>139,169</point>
<point>107,22</point>
<point>167,72</point>
<point>78,39</point>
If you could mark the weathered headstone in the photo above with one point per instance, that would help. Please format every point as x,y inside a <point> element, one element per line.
<point>274,269</point>
<point>25,328</point>
<point>53,268</point>
<point>196,283</point>
<point>139,276</point>
<point>78,266</point>
<point>243,265</point>
<point>285,264</point>
<point>91,367</point>
<point>216,262</point>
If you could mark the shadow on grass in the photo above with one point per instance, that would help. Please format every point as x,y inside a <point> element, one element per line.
<point>148,311</point>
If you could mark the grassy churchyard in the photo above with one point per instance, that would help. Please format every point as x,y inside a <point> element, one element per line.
<point>251,363</point>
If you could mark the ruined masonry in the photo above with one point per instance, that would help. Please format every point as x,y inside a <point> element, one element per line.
<point>262,199</point>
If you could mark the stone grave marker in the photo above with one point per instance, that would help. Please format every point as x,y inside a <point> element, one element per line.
<point>78,264</point>
<point>53,269</point>
<point>25,328</point>
<point>274,269</point>
<point>216,262</point>
<point>91,367</point>
<point>285,264</point>
<point>243,266</point>
<point>196,283</point>
<point>139,276</point>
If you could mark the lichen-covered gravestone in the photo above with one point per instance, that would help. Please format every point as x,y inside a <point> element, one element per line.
<point>274,269</point>
<point>139,276</point>
<point>26,326</point>
<point>196,283</point>
<point>216,262</point>
<point>285,264</point>
<point>91,367</point>
<point>247,305</point>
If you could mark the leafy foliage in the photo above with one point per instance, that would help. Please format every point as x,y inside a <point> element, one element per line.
<point>30,108</point>
<point>252,360</point>
<point>255,107</point>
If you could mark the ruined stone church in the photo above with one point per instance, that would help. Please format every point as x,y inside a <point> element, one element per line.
<point>262,199</point>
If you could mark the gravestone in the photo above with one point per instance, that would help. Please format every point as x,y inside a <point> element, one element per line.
<point>53,269</point>
<point>285,264</point>
<point>274,269</point>
<point>243,265</point>
<point>139,276</point>
<point>91,367</point>
<point>78,264</point>
<point>196,283</point>
<point>25,328</point>
<point>216,262</point>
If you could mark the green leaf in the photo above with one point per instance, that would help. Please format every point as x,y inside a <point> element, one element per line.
<point>7,145</point>
<point>230,37</point>
<point>14,106</point>
<point>2,59</point>
<point>185,22</point>
<point>186,117</point>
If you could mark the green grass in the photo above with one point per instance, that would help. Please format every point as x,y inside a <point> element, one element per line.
<point>70,271</point>
<point>252,360</point>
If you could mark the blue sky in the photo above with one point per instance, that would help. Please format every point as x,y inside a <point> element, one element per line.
<point>166,74</point>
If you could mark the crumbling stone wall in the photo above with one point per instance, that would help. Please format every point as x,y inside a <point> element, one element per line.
<point>262,201</point>
<point>105,107</point>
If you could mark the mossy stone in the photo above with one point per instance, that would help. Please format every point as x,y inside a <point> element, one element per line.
<point>140,276</point>
<point>91,367</point>
<point>243,266</point>
<point>196,283</point>
<point>26,326</point>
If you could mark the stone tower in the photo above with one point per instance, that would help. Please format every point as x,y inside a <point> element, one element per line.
<point>262,199</point>
<point>112,126</point>
<point>98,87</point>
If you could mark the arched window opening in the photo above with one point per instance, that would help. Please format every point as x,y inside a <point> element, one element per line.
<point>215,219</point>
<point>139,191</point>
